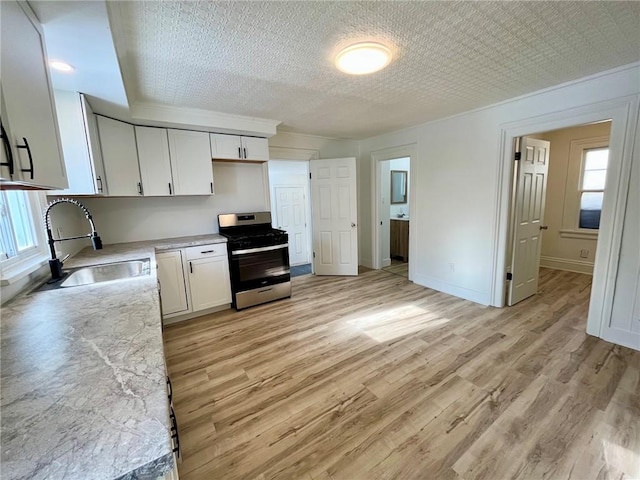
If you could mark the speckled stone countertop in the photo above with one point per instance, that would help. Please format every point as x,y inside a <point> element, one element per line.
<point>83,375</point>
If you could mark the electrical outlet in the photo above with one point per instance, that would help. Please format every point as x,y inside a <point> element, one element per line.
<point>584,253</point>
<point>452,267</point>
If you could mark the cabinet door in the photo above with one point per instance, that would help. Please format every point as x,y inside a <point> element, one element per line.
<point>226,146</point>
<point>29,106</point>
<point>155,165</point>
<point>209,282</point>
<point>93,145</point>
<point>74,145</point>
<point>120,156</point>
<point>172,286</point>
<point>191,162</point>
<point>254,148</point>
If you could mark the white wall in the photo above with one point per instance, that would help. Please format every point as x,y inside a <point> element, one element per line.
<point>400,164</point>
<point>457,171</point>
<point>558,251</point>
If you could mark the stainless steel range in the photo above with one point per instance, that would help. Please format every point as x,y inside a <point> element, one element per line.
<point>258,258</point>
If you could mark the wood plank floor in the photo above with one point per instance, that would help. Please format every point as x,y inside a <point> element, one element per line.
<point>398,267</point>
<point>373,377</point>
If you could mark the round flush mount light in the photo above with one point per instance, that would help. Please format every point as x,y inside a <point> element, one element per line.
<point>61,66</point>
<point>363,58</point>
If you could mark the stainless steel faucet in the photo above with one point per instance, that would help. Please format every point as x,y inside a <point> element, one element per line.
<point>55,264</point>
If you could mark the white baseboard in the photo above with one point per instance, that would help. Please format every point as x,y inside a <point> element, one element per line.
<point>577,266</point>
<point>386,262</point>
<point>483,298</point>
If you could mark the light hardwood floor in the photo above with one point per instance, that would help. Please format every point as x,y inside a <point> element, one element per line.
<point>398,267</point>
<point>373,377</point>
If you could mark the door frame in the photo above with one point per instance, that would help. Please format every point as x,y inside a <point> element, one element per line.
<point>296,155</point>
<point>378,156</point>
<point>623,114</point>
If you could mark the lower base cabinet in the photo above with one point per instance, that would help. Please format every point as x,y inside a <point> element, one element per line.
<point>193,279</point>
<point>173,290</point>
<point>210,284</point>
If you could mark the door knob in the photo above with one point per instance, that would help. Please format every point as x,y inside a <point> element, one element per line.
<point>353,225</point>
<point>544,227</point>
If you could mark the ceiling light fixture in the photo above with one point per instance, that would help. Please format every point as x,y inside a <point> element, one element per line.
<point>61,66</point>
<point>363,58</point>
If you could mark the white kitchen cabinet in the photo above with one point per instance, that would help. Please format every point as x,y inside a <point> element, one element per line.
<point>120,157</point>
<point>83,161</point>
<point>172,282</point>
<point>32,139</point>
<point>191,166</point>
<point>155,163</point>
<point>255,148</point>
<point>235,147</point>
<point>209,282</point>
<point>93,147</point>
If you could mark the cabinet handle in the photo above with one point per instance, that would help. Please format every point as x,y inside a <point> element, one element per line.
<point>140,188</point>
<point>245,153</point>
<point>170,192</point>
<point>208,251</point>
<point>239,152</point>
<point>190,267</point>
<point>7,149</point>
<point>28,149</point>
<point>99,179</point>
<point>211,186</point>
<point>174,431</point>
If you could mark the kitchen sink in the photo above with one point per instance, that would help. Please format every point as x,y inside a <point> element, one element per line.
<point>106,273</point>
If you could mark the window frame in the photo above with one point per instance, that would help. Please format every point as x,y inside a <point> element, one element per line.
<point>573,187</point>
<point>31,259</point>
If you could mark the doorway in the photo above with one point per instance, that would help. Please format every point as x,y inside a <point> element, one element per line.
<point>291,210</point>
<point>394,231</point>
<point>556,204</point>
<point>393,189</point>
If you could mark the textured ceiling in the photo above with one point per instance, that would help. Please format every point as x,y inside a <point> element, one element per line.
<point>275,59</point>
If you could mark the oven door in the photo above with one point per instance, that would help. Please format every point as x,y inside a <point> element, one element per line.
<point>256,267</point>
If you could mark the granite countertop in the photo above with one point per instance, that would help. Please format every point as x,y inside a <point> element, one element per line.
<point>83,375</point>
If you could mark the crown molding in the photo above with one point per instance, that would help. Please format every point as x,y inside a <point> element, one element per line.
<point>194,118</point>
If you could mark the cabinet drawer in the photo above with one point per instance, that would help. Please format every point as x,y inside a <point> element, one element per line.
<point>204,251</point>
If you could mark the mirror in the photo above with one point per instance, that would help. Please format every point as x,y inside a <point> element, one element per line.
<point>398,186</point>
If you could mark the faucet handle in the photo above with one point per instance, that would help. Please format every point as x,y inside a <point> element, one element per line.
<point>96,241</point>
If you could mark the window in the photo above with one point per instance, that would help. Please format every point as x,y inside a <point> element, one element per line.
<point>593,177</point>
<point>584,188</point>
<point>22,242</point>
<point>16,225</point>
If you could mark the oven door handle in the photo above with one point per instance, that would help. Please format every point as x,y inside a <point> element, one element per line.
<point>260,249</point>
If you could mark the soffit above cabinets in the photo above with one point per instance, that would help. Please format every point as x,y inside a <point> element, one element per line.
<point>276,59</point>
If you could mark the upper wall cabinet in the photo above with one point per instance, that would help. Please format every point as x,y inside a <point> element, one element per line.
<point>155,164</point>
<point>191,162</point>
<point>80,145</point>
<point>120,156</point>
<point>234,147</point>
<point>31,144</point>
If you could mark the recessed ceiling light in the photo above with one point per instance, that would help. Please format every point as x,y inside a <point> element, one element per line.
<point>363,58</point>
<point>61,66</point>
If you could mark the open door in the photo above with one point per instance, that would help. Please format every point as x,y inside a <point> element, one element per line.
<point>334,216</point>
<point>531,189</point>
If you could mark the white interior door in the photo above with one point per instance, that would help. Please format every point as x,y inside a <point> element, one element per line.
<point>290,214</point>
<point>334,216</point>
<point>531,188</point>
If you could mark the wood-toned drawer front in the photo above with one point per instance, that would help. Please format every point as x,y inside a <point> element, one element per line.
<point>205,251</point>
